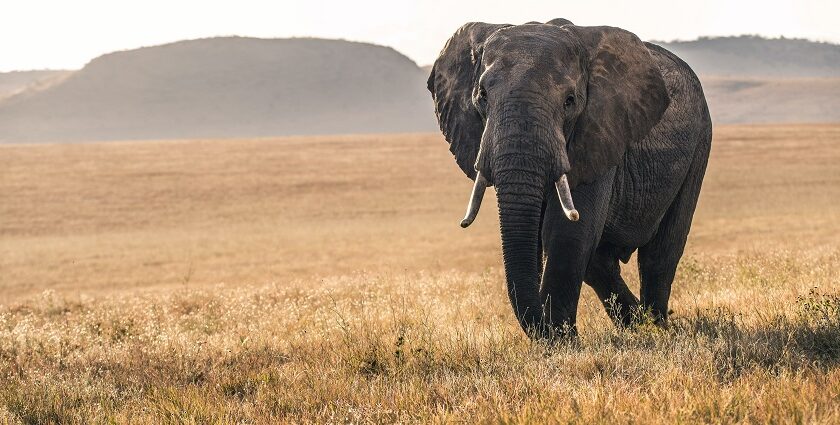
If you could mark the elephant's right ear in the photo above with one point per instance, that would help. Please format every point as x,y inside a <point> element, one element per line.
<point>451,83</point>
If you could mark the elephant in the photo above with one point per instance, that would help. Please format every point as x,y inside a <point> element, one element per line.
<point>596,144</point>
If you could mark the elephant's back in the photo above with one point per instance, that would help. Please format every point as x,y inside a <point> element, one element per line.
<point>686,125</point>
<point>654,170</point>
<point>688,102</point>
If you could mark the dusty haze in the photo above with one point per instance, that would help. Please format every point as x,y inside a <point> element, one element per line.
<point>246,87</point>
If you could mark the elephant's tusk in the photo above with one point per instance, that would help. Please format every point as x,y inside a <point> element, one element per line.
<point>565,196</point>
<point>475,200</point>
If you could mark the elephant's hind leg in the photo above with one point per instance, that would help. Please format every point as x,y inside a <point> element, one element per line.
<point>604,276</point>
<point>659,258</point>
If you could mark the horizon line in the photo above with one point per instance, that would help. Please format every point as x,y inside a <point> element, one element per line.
<point>675,40</point>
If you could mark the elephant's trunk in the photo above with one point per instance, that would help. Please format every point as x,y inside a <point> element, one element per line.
<point>523,158</point>
<point>520,196</point>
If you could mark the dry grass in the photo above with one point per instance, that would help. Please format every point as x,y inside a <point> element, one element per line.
<point>238,281</point>
<point>101,217</point>
<point>751,342</point>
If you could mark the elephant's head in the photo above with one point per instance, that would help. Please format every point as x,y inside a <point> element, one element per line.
<point>535,109</point>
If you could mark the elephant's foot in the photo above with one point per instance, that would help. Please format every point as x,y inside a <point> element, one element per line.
<point>555,333</point>
<point>623,308</point>
<point>604,276</point>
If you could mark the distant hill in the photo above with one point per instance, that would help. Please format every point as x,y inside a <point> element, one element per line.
<point>752,56</point>
<point>749,79</point>
<point>756,100</point>
<point>226,87</point>
<point>12,83</point>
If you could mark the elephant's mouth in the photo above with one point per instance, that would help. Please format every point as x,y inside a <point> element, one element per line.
<point>481,183</point>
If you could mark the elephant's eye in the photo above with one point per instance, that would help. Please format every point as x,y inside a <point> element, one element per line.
<point>570,101</point>
<point>482,94</point>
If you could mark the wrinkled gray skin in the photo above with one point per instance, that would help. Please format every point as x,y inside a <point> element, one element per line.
<point>626,121</point>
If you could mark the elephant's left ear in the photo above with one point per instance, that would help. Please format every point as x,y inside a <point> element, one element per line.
<point>451,83</point>
<point>626,97</point>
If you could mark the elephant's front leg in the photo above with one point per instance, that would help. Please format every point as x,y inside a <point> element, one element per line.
<point>569,247</point>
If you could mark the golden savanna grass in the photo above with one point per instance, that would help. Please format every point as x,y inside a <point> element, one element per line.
<point>325,279</point>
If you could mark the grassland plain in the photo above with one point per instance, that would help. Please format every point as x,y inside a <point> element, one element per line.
<point>324,279</point>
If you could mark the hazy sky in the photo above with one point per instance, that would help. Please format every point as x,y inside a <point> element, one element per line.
<point>67,33</point>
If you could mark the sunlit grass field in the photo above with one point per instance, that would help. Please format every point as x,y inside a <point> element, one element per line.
<point>325,279</point>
